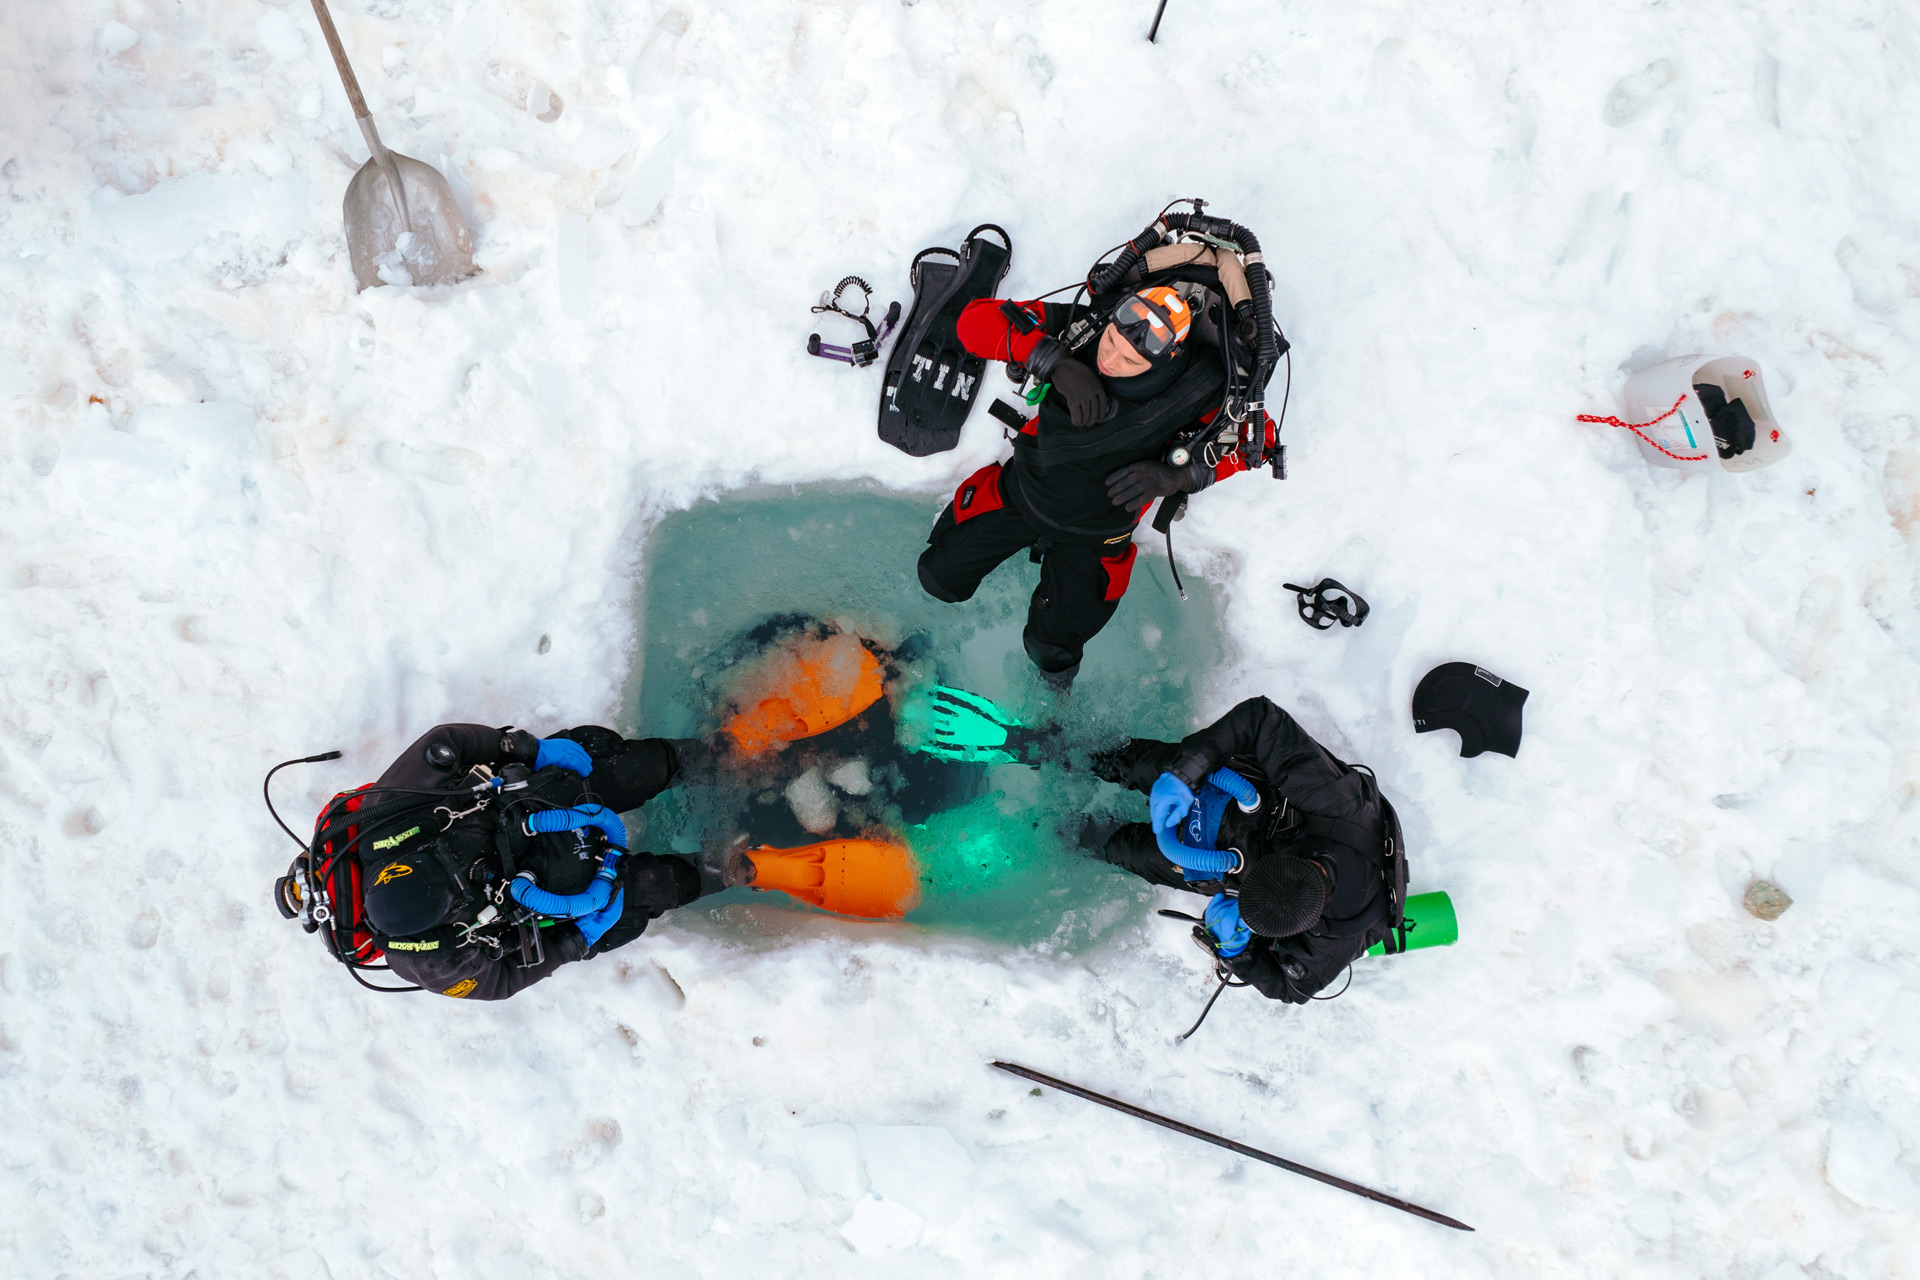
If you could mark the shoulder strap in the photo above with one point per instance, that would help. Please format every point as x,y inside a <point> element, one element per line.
<point>1394,869</point>
<point>1338,830</point>
<point>1389,850</point>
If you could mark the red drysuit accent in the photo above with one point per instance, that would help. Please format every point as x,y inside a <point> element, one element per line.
<point>985,331</point>
<point>1119,571</point>
<point>978,494</point>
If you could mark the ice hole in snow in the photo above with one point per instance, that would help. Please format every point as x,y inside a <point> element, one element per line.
<point>728,582</point>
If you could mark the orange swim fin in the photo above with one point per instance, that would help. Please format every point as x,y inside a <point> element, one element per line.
<point>802,691</point>
<point>873,879</point>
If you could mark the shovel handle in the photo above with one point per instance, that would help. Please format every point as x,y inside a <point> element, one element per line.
<point>354,97</point>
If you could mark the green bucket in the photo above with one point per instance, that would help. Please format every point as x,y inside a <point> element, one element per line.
<point>1430,922</point>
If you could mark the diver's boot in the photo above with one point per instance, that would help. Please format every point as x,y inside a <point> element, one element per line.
<point>1050,704</point>
<point>1112,763</point>
<point>739,870</point>
<point>1093,836</point>
<point>728,867</point>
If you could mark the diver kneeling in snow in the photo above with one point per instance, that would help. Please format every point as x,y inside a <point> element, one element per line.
<point>1152,390</point>
<point>1300,853</point>
<point>483,859</point>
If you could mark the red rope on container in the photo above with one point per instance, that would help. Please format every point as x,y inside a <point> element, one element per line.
<point>1610,421</point>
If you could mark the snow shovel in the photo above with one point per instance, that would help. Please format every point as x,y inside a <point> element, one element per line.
<point>403,226</point>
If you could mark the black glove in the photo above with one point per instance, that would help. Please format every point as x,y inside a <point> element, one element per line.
<point>1079,386</point>
<point>1135,486</point>
<point>517,746</point>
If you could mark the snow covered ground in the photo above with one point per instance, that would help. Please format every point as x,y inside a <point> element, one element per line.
<point>246,514</point>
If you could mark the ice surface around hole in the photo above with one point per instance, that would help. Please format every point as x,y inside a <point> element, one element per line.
<point>1863,1164</point>
<point>919,1166</point>
<point>878,1227</point>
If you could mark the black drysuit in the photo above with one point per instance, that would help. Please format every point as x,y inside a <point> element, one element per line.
<point>626,774</point>
<point>1052,494</point>
<point>1314,783</point>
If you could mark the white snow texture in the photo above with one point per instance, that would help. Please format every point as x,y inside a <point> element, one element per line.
<point>246,514</point>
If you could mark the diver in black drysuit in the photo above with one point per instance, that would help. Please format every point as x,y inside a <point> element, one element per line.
<point>1084,469</point>
<point>1313,807</point>
<point>425,946</point>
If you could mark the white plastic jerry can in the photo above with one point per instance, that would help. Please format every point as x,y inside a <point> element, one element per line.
<point>1674,428</point>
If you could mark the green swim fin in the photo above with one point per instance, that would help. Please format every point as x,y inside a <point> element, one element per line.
<point>969,727</point>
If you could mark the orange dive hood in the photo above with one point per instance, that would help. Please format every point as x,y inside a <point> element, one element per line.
<point>803,689</point>
<point>874,879</point>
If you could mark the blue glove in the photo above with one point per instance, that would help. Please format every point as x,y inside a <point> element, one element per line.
<point>1223,922</point>
<point>564,752</point>
<point>1168,802</point>
<point>595,926</point>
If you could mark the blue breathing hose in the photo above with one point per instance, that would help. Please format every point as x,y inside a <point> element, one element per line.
<point>1211,861</point>
<point>1236,786</point>
<point>1216,861</point>
<point>565,906</point>
<point>586,815</point>
<point>596,895</point>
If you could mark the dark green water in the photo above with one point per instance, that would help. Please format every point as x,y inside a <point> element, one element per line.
<point>997,844</point>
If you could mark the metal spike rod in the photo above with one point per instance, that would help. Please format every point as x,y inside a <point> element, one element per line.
<point>1378,1197</point>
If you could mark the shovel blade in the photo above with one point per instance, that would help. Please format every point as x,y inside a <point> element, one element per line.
<point>436,249</point>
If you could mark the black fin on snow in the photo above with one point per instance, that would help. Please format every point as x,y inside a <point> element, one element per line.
<point>931,381</point>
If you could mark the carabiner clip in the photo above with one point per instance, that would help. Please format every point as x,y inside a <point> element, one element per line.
<point>452,817</point>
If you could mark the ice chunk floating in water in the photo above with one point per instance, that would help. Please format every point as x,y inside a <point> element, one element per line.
<point>748,599</point>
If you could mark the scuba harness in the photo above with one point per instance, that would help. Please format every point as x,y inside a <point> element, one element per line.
<point>1218,268</point>
<point>494,905</point>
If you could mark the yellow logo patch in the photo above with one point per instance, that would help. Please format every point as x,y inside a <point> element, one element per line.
<point>389,874</point>
<point>459,989</point>
<point>394,842</point>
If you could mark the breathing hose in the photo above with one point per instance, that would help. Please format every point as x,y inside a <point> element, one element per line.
<point>1269,344</point>
<point>1106,275</point>
<point>596,895</point>
<point>566,906</point>
<point>1236,786</point>
<point>1248,408</point>
<point>586,815</point>
<point>1217,861</point>
<point>1214,861</point>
